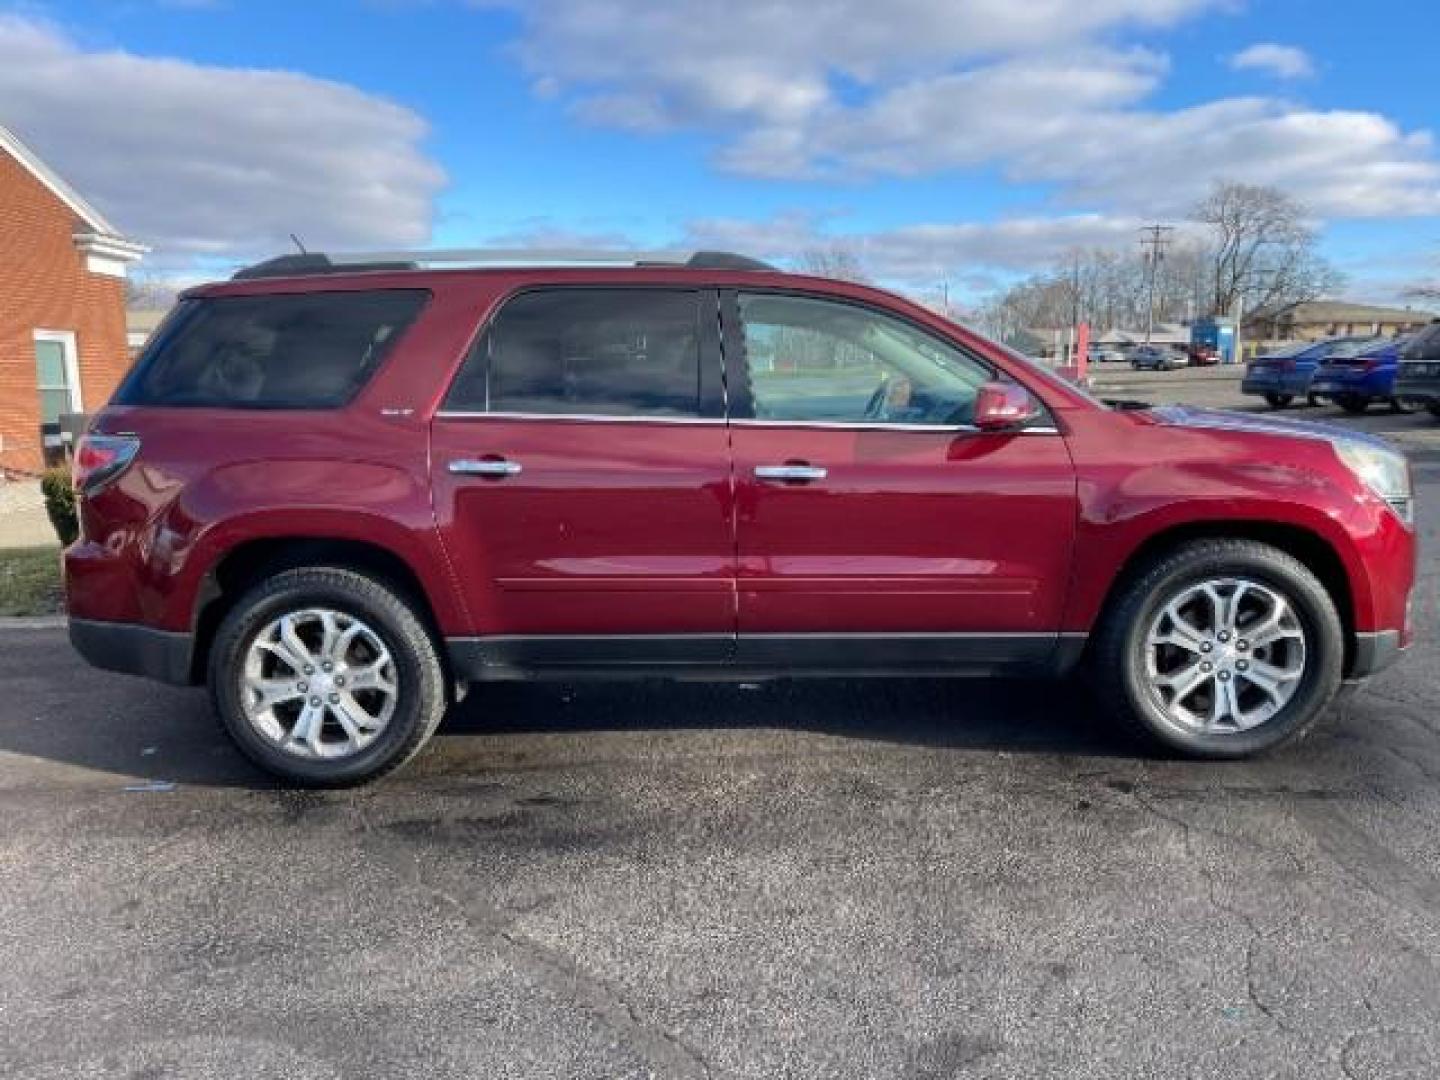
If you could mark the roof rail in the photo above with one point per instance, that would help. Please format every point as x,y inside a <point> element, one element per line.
<point>352,262</point>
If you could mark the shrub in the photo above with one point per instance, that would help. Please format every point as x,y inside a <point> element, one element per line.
<point>60,503</point>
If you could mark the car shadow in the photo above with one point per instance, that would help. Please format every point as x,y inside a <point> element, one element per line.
<point>1035,716</point>
<point>138,733</point>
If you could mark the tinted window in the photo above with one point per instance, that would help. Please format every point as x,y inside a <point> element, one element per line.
<point>815,360</point>
<point>1425,345</point>
<point>609,352</point>
<point>298,351</point>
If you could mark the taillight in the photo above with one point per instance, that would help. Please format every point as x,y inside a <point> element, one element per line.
<point>100,459</point>
<point>1372,363</point>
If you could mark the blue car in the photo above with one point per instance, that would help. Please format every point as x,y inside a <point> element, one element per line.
<point>1356,376</point>
<point>1283,374</point>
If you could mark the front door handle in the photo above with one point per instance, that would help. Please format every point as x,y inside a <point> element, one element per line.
<point>802,473</point>
<point>484,467</point>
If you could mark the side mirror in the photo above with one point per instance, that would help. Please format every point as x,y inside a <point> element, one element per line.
<point>1003,406</point>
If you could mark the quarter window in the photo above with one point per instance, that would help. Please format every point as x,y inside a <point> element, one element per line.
<point>281,351</point>
<point>820,361</point>
<point>610,352</point>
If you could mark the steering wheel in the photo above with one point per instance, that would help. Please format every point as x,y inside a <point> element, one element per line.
<point>893,393</point>
<point>875,407</point>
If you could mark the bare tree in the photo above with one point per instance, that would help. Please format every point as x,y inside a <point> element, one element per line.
<point>1263,252</point>
<point>836,262</point>
<point>144,292</point>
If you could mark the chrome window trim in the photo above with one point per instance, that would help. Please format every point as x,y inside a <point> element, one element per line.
<point>584,418</point>
<point>818,425</point>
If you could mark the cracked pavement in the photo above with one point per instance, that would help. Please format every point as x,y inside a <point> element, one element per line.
<point>891,879</point>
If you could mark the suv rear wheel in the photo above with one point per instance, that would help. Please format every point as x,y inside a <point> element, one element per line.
<point>1221,649</point>
<point>1278,401</point>
<point>326,677</point>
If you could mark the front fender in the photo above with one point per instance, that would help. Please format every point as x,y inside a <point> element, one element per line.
<point>1119,518</point>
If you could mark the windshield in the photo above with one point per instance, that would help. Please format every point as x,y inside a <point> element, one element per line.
<point>1294,349</point>
<point>1347,349</point>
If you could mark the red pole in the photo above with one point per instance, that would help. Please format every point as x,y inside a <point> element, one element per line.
<point>1082,351</point>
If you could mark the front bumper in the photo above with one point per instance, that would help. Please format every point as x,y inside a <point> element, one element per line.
<point>134,649</point>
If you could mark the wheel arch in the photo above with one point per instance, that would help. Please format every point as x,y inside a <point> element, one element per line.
<point>254,560</point>
<point>1308,547</point>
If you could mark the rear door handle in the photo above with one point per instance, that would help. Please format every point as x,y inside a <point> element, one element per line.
<point>484,467</point>
<point>802,473</point>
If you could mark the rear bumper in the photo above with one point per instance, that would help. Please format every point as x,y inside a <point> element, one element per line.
<point>1329,386</point>
<point>1293,383</point>
<point>1374,652</point>
<point>134,649</point>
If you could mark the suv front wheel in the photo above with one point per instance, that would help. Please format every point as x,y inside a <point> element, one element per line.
<point>326,677</point>
<point>1221,649</point>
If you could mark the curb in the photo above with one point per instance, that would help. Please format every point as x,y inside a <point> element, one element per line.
<point>36,622</point>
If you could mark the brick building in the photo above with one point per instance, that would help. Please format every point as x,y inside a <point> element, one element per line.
<point>1317,319</point>
<point>62,306</point>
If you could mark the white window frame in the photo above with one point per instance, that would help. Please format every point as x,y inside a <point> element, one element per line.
<point>66,340</point>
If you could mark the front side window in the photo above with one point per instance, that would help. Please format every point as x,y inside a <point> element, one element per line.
<point>815,360</point>
<point>604,352</point>
<point>279,351</point>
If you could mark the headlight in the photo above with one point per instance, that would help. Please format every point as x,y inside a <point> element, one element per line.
<point>1383,471</point>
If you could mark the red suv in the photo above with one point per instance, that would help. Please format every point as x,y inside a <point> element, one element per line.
<point>338,493</point>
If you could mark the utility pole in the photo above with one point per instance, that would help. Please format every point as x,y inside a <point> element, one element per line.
<point>1153,241</point>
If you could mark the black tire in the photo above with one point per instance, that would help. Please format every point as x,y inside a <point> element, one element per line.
<point>1312,400</point>
<point>420,702</point>
<point>1118,656</point>
<point>1400,406</point>
<point>1278,401</point>
<point>1433,406</point>
<point>1353,404</point>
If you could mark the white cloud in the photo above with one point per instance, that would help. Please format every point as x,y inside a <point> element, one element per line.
<point>1282,61</point>
<point>912,256</point>
<point>854,88</point>
<point>644,64</point>
<point>201,160</point>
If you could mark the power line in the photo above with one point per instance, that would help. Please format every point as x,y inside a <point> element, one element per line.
<point>1154,239</point>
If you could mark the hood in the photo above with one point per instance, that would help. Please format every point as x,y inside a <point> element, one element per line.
<point>1188,416</point>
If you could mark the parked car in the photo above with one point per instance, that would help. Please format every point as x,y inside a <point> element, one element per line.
<point>337,494</point>
<point>1107,354</point>
<point>1283,373</point>
<point>1202,355</point>
<point>1156,358</point>
<point>1418,377</point>
<point>1354,376</point>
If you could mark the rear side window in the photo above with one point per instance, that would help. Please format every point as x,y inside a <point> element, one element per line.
<point>606,352</point>
<point>280,351</point>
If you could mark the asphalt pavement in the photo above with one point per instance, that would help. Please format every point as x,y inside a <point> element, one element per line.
<point>915,879</point>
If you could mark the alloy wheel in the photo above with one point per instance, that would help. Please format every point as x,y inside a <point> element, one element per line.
<point>319,683</point>
<point>1225,655</point>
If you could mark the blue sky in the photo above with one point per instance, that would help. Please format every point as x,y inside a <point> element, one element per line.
<point>969,140</point>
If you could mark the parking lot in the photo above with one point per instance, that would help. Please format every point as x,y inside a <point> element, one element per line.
<point>919,879</point>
